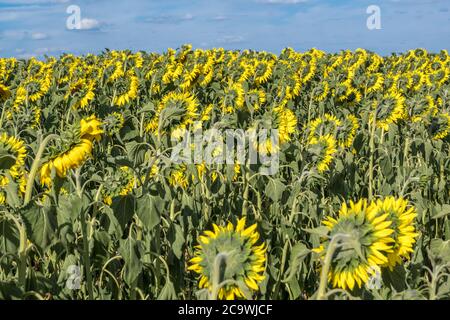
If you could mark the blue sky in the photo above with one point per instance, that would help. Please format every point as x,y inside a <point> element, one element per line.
<point>38,27</point>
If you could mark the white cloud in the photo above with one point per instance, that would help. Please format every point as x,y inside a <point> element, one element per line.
<point>89,24</point>
<point>39,36</point>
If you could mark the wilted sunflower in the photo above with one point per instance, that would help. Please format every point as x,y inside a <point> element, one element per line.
<point>323,149</point>
<point>233,98</point>
<point>440,126</point>
<point>322,91</point>
<point>15,148</point>
<point>175,112</point>
<point>76,155</point>
<point>4,92</point>
<point>366,241</point>
<point>263,71</point>
<point>389,110</point>
<point>234,251</point>
<point>347,131</point>
<point>328,124</point>
<point>126,89</point>
<point>402,216</point>
<point>121,184</point>
<point>374,83</point>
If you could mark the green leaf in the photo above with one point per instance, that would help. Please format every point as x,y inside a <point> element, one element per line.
<point>149,209</point>
<point>275,189</point>
<point>298,254</point>
<point>440,249</point>
<point>70,208</point>
<point>9,240</point>
<point>123,209</point>
<point>130,250</point>
<point>176,237</point>
<point>445,210</point>
<point>168,292</point>
<point>6,160</point>
<point>40,222</point>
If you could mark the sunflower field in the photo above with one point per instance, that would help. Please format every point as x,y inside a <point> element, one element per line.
<point>93,207</point>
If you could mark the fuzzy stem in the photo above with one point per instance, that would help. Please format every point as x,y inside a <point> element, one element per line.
<point>35,167</point>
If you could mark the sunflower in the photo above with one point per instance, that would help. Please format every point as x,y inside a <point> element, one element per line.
<point>16,148</point>
<point>402,216</point>
<point>114,122</point>
<point>440,126</point>
<point>178,177</point>
<point>322,91</point>
<point>323,149</point>
<point>127,89</point>
<point>121,184</point>
<point>76,154</point>
<point>418,108</point>
<point>374,83</point>
<point>263,71</point>
<point>182,108</point>
<point>255,98</point>
<point>87,97</point>
<point>234,251</point>
<point>417,80</point>
<point>389,109</point>
<point>367,239</point>
<point>70,159</point>
<point>233,98</point>
<point>347,131</point>
<point>4,92</point>
<point>287,123</point>
<point>328,124</point>
<point>90,128</point>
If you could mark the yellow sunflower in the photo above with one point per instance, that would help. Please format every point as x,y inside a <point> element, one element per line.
<point>229,258</point>
<point>127,89</point>
<point>323,149</point>
<point>366,239</point>
<point>402,216</point>
<point>389,109</point>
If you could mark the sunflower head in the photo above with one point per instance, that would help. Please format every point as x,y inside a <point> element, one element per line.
<point>364,240</point>
<point>90,128</point>
<point>323,150</point>
<point>440,126</point>
<point>228,257</point>
<point>402,216</point>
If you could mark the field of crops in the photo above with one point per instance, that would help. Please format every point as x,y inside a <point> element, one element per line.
<point>93,205</point>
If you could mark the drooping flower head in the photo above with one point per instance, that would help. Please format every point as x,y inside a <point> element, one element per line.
<point>243,261</point>
<point>367,239</point>
<point>402,216</point>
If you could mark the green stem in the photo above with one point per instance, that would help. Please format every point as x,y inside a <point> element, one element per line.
<point>246,191</point>
<point>220,258</point>
<point>321,294</point>
<point>372,152</point>
<point>22,270</point>
<point>84,231</point>
<point>35,167</point>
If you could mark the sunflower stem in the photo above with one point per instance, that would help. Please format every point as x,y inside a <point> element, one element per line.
<point>219,261</point>
<point>372,127</point>
<point>334,244</point>
<point>35,167</point>
<point>84,231</point>
<point>22,270</point>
